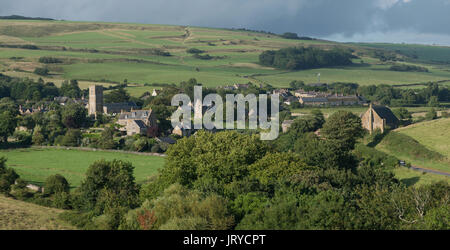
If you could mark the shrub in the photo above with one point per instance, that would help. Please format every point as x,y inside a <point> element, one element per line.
<point>156,149</point>
<point>203,57</point>
<point>23,138</point>
<point>140,145</point>
<point>41,71</point>
<point>38,136</point>
<point>194,51</point>
<point>72,138</point>
<point>7,176</point>
<point>56,184</point>
<point>61,200</point>
<point>46,59</point>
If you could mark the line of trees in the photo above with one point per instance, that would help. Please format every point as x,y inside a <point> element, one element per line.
<point>305,58</point>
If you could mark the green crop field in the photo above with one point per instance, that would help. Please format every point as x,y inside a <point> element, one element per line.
<point>35,165</point>
<point>104,52</point>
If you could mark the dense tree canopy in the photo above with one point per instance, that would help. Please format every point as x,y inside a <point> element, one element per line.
<point>305,58</point>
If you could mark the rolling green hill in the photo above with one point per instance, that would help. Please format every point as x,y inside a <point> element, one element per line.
<point>423,144</point>
<point>145,53</point>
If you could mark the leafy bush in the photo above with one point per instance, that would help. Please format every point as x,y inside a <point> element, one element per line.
<point>203,57</point>
<point>41,71</point>
<point>61,200</point>
<point>72,138</point>
<point>56,184</point>
<point>194,51</point>
<point>7,176</point>
<point>156,148</point>
<point>180,208</point>
<point>23,138</point>
<point>47,59</point>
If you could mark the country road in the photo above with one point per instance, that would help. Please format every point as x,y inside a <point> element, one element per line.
<point>430,171</point>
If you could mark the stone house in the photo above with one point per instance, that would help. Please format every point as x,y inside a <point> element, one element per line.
<point>313,101</point>
<point>379,117</point>
<point>138,122</point>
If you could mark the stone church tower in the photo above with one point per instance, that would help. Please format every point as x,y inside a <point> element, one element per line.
<point>95,100</point>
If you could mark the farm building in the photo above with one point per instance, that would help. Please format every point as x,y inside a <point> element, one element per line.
<point>378,117</point>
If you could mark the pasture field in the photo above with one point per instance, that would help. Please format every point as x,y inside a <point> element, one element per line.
<point>434,135</point>
<point>35,164</point>
<point>104,52</point>
<point>411,177</point>
<point>414,147</point>
<point>20,215</point>
<point>423,53</point>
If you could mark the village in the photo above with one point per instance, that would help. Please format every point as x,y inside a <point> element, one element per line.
<point>132,120</point>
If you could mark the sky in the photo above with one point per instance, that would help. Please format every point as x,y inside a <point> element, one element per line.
<point>397,21</point>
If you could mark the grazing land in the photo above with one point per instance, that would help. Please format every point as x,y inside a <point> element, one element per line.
<point>434,135</point>
<point>35,165</point>
<point>423,144</point>
<point>416,178</point>
<point>144,53</point>
<point>20,215</point>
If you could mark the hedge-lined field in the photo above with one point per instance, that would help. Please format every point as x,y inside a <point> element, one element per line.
<point>35,165</point>
<point>143,53</point>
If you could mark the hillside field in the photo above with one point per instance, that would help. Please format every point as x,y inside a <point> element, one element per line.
<point>35,165</point>
<point>20,215</point>
<point>145,53</point>
<point>424,144</point>
<point>434,135</point>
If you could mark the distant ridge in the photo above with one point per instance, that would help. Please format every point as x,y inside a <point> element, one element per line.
<point>17,17</point>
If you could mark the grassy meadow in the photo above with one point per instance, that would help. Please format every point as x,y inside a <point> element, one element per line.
<point>422,144</point>
<point>104,52</point>
<point>434,135</point>
<point>20,215</point>
<point>35,165</point>
<point>412,177</point>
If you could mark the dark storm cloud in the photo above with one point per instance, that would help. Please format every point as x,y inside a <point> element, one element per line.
<point>341,19</point>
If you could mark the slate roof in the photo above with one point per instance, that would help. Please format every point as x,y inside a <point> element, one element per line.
<point>386,113</point>
<point>314,99</point>
<point>120,105</point>
<point>136,114</point>
<point>140,124</point>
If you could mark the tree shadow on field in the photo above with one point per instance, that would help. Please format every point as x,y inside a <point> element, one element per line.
<point>410,181</point>
<point>377,138</point>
